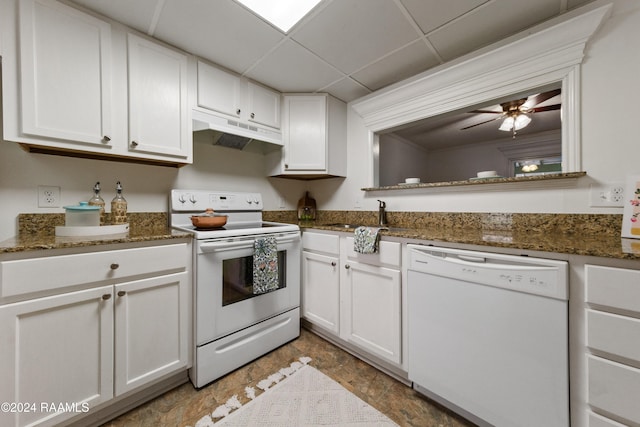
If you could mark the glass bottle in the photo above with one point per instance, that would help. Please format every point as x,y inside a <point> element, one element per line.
<point>97,200</point>
<point>118,207</point>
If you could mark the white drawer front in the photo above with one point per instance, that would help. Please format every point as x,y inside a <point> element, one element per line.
<point>614,388</point>
<point>389,254</point>
<point>613,287</point>
<point>614,334</point>
<point>319,242</point>
<point>42,274</point>
<point>596,420</point>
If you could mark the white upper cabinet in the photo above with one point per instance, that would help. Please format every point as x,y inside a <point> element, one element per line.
<point>218,90</point>
<point>158,105</point>
<point>263,105</point>
<point>314,135</point>
<point>65,58</point>
<point>224,92</point>
<point>80,85</point>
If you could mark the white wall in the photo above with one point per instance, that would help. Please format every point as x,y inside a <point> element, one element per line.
<point>146,188</point>
<point>402,159</point>
<point>610,147</point>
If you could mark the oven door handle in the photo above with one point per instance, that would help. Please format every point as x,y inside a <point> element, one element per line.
<point>218,246</point>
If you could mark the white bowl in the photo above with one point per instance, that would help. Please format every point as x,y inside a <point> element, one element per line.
<point>487,174</point>
<point>412,181</point>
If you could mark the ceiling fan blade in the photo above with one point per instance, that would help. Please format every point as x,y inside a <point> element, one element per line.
<point>481,123</point>
<point>541,97</point>
<point>545,108</point>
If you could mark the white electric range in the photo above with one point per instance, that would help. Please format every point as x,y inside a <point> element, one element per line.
<point>232,323</point>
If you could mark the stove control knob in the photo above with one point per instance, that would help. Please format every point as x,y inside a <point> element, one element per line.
<point>249,201</point>
<point>256,201</point>
<point>192,199</point>
<point>182,199</point>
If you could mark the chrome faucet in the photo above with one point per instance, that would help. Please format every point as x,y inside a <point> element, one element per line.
<point>382,214</point>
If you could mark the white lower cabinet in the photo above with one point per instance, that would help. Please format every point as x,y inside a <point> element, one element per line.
<point>613,341</point>
<point>372,309</point>
<point>68,352</point>
<point>356,298</point>
<point>321,290</point>
<point>151,327</point>
<point>56,350</point>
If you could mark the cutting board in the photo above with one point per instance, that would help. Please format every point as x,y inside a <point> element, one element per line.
<point>306,208</point>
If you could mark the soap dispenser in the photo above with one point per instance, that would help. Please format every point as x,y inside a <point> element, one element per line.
<point>119,207</point>
<point>97,200</point>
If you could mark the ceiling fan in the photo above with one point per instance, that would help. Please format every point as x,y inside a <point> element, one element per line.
<point>515,114</point>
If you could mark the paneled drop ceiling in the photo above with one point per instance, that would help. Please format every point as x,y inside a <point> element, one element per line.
<point>348,48</point>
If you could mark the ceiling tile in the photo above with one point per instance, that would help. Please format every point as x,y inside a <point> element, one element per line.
<point>292,68</point>
<point>353,33</point>
<point>221,30</point>
<point>411,60</point>
<point>347,90</point>
<point>490,23</point>
<point>431,14</point>
<point>136,14</point>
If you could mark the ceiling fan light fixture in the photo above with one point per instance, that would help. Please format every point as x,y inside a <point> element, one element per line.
<point>514,123</point>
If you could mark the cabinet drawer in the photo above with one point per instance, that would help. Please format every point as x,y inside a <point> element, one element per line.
<point>388,254</point>
<point>613,287</point>
<point>614,388</point>
<point>614,334</point>
<point>43,274</point>
<point>320,242</point>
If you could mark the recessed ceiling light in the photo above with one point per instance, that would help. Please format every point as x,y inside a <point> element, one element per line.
<point>284,14</point>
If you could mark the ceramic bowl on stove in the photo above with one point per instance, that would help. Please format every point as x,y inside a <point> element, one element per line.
<point>208,219</point>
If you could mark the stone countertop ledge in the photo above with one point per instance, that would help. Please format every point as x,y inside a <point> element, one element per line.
<point>37,232</point>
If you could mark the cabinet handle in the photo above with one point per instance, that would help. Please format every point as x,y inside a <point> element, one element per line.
<point>347,266</point>
<point>238,111</point>
<point>114,266</point>
<point>253,116</point>
<point>333,263</point>
<point>286,166</point>
<point>106,296</point>
<point>106,138</point>
<point>134,144</point>
<point>122,293</point>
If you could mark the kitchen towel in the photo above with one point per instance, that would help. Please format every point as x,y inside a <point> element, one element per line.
<point>365,240</point>
<point>265,265</point>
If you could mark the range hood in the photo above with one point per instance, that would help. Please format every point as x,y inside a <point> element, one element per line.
<point>216,130</point>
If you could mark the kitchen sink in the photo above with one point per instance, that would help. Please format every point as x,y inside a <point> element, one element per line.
<point>342,225</point>
<point>354,226</point>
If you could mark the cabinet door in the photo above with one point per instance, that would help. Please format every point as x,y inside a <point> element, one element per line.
<point>65,68</point>
<point>371,309</point>
<point>151,323</point>
<point>304,133</point>
<point>218,90</point>
<point>263,105</point>
<point>56,350</point>
<point>321,290</point>
<point>158,109</point>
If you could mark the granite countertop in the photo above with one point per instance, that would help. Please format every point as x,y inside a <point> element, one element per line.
<point>571,244</point>
<point>572,234</point>
<point>37,232</point>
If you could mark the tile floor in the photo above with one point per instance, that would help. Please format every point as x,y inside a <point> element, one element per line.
<point>185,405</point>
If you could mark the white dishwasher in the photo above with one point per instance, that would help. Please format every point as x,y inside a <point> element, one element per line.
<point>488,335</point>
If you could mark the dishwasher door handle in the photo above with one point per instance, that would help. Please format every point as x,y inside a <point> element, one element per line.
<point>471,258</point>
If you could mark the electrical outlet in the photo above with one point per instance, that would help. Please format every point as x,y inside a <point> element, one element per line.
<point>48,196</point>
<point>607,195</point>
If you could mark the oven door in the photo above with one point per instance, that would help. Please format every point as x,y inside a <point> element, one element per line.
<point>225,302</point>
